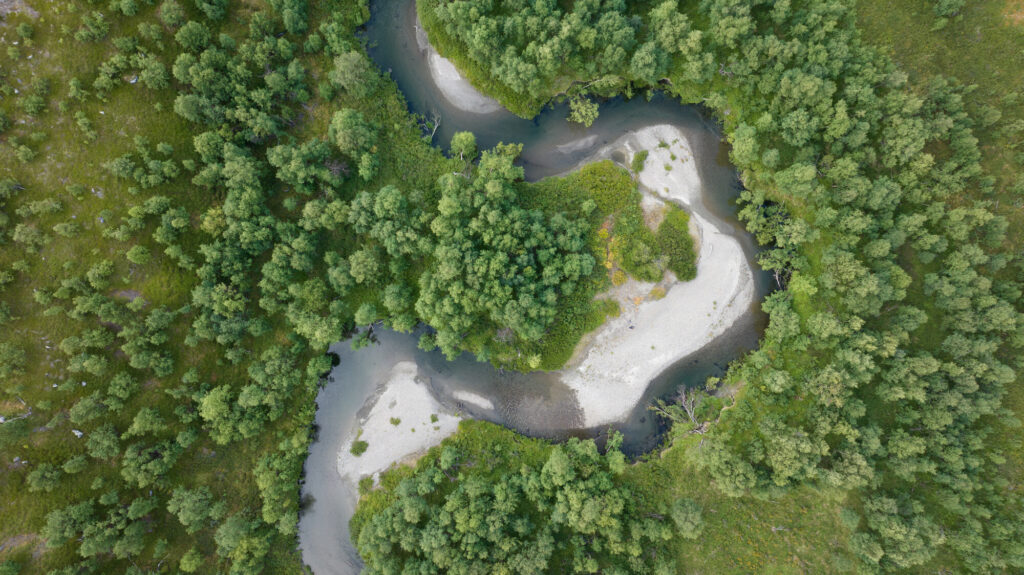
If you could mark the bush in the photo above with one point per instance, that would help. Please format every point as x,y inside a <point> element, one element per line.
<point>358,447</point>
<point>688,519</point>
<point>637,164</point>
<point>138,255</point>
<point>172,14</point>
<point>675,242</point>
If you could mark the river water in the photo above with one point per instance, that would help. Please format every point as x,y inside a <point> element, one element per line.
<point>536,404</point>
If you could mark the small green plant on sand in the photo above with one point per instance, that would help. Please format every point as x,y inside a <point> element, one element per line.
<point>637,164</point>
<point>358,447</point>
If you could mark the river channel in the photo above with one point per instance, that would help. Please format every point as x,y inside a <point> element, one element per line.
<point>537,404</point>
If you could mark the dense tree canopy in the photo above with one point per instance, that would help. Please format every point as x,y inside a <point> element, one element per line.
<point>569,514</point>
<point>494,261</point>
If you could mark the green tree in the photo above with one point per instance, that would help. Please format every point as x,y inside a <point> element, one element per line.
<point>582,110</point>
<point>195,508</point>
<point>103,442</point>
<point>463,146</point>
<point>45,477</point>
<point>352,133</point>
<point>355,74</point>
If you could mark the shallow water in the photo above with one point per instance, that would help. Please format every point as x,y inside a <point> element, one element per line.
<point>536,404</point>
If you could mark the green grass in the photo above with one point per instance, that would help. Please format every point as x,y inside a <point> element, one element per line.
<point>359,447</point>
<point>797,533</point>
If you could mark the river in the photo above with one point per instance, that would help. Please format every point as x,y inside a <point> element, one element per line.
<point>537,404</point>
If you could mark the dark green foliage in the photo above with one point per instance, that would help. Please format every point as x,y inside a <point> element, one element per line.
<point>294,14</point>
<point>45,477</point>
<point>560,510</point>
<point>195,508</point>
<point>143,464</point>
<point>171,13</point>
<point>276,475</point>
<point>94,27</point>
<point>495,262</point>
<point>213,9</point>
<point>193,36</point>
<point>12,360</point>
<point>525,48</point>
<point>351,133</point>
<point>63,524</point>
<point>674,239</point>
<point>103,442</point>
<point>947,8</point>
<point>359,447</point>
<point>354,73</point>
<point>239,540</point>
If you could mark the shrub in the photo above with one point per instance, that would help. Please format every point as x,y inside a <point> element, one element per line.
<point>686,514</point>
<point>637,164</point>
<point>675,242</point>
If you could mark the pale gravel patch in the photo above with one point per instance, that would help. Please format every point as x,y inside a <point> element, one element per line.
<point>474,399</point>
<point>8,7</point>
<point>453,86</point>
<point>612,371</point>
<point>457,89</point>
<point>406,397</point>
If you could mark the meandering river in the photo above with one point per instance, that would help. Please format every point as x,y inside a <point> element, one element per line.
<point>537,404</point>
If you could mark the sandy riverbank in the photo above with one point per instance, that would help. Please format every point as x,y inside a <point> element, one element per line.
<point>453,86</point>
<point>612,371</point>
<point>396,424</point>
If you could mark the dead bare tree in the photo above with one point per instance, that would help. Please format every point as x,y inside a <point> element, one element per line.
<point>689,400</point>
<point>685,406</point>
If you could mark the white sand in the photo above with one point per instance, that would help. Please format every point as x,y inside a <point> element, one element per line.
<point>455,88</point>
<point>612,372</point>
<point>406,398</point>
<point>473,398</point>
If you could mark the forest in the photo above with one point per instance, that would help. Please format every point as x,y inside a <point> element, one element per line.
<point>197,197</point>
